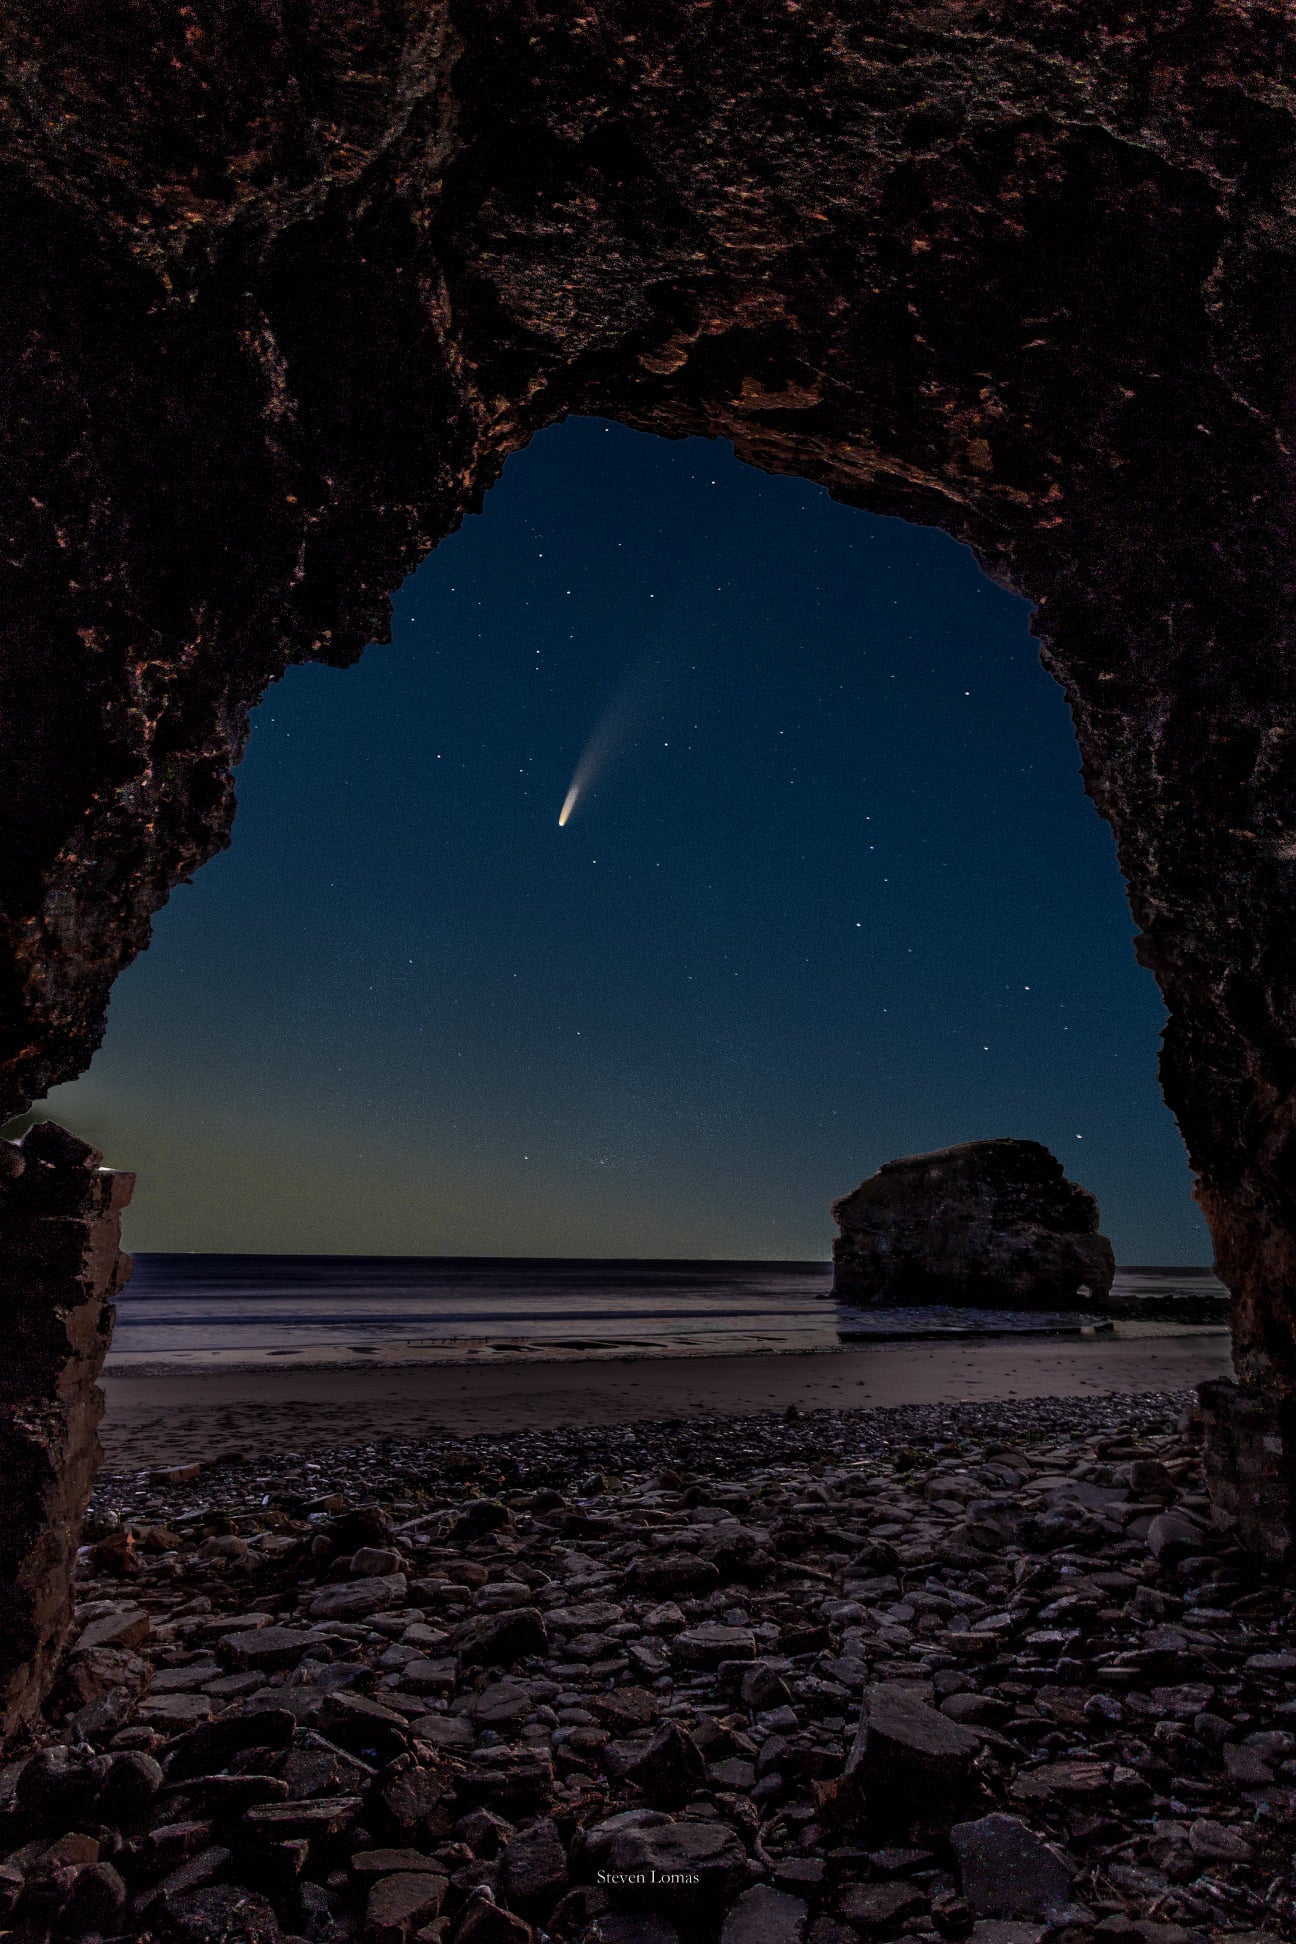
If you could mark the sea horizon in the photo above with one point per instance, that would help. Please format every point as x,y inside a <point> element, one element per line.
<point>237,1309</point>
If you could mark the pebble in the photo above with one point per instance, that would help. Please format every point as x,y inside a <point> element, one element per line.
<point>970,1673</point>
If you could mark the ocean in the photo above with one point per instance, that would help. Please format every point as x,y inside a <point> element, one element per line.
<point>225,1310</point>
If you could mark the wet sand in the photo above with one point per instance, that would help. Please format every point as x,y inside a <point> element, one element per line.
<point>174,1417</point>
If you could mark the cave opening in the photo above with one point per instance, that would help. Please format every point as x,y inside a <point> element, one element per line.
<point>834,893</point>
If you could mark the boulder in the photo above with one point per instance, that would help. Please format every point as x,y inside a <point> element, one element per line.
<point>986,1223</point>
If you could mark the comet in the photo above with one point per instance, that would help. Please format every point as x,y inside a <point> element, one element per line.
<point>613,728</point>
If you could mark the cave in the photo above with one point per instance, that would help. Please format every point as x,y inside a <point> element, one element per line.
<point>288,285</point>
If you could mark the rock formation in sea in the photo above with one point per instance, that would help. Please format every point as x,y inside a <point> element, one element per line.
<point>60,1267</point>
<point>295,282</point>
<point>987,1223</point>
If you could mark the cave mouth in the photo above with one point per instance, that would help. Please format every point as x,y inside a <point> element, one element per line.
<point>832,892</point>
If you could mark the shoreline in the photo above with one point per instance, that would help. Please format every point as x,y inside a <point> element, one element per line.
<point>396,1354</point>
<point>177,1416</point>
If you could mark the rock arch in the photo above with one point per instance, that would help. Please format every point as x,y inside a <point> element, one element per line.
<point>286,284</point>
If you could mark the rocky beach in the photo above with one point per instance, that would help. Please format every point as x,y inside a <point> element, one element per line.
<point>937,1672</point>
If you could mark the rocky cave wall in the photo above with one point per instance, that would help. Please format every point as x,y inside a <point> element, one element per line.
<point>61,1266</point>
<point>286,285</point>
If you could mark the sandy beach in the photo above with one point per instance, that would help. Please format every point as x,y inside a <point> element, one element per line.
<point>199,1414</point>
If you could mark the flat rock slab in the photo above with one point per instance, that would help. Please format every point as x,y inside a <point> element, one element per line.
<point>127,1627</point>
<point>1009,1871</point>
<point>711,1643</point>
<point>875,1907</point>
<point>265,1649</point>
<point>765,1916</point>
<point>399,1904</point>
<point>175,1710</point>
<point>357,1599</point>
<point>676,1860</point>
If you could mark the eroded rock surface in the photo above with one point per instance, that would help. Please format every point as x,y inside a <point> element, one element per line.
<point>988,1222</point>
<point>294,282</point>
<point>60,1267</point>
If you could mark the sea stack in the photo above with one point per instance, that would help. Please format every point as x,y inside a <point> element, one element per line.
<point>991,1223</point>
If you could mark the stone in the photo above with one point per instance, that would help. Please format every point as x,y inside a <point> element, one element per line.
<point>132,1781</point>
<point>765,1916</point>
<point>1149,1478</point>
<point>676,1862</point>
<point>874,1907</point>
<point>670,1767</point>
<point>516,1781</point>
<point>1276,1666</point>
<point>626,1708</point>
<point>1172,1536</point>
<point>502,1639</point>
<point>485,1922</point>
<point>1067,1779</point>
<point>999,1931</point>
<point>1215,1842</point>
<point>399,1904</point>
<point>1008,1871</point>
<point>317,1817</point>
<point>414,1794</point>
<point>763,1687</point>
<point>263,1648</point>
<point>671,1575</point>
<point>62,1265</point>
<point>634,1927</point>
<point>974,1710</point>
<point>1245,1768</point>
<point>391,1862</point>
<point>359,1723</point>
<point>910,1768</point>
<point>443,1731</point>
<point>501,1705</point>
<point>370,1562</point>
<point>988,1222</point>
<point>122,1627</point>
<point>218,1914</point>
<point>97,1902</point>
<point>209,1748</point>
<point>356,1599</point>
<point>709,1644</point>
<point>175,1710</point>
<point>534,1868</point>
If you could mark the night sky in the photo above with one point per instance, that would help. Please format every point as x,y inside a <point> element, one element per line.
<point>832,894</point>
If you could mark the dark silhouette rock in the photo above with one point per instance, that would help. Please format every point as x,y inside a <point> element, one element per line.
<point>989,1222</point>
<point>295,282</point>
<point>60,1267</point>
